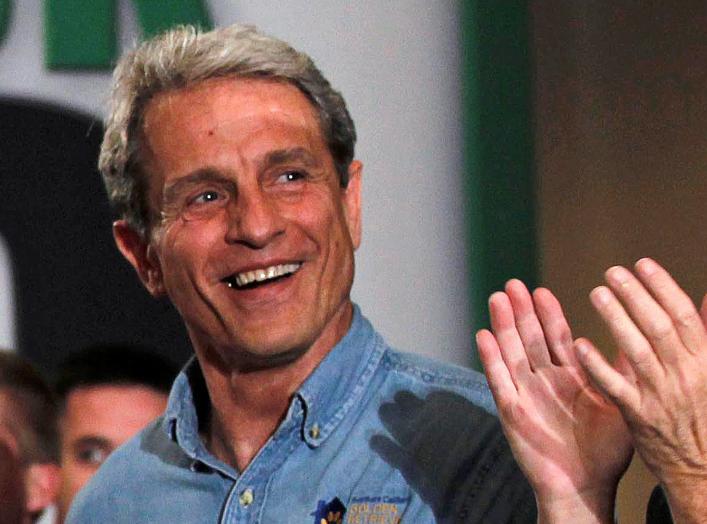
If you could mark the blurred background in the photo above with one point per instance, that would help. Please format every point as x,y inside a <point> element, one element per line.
<point>547,140</point>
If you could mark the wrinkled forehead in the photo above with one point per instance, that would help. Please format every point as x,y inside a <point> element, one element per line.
<point>219,117</point>
<point>242,95</point>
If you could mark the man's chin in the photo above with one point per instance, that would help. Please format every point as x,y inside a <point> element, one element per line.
<point>262,359</point>
<point>256,355</point>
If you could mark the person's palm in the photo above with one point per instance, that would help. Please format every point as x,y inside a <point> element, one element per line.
<point>567,438</point>
<point>570,437</point>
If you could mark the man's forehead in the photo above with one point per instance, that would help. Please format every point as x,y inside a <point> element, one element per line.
<point>248,95</point>
<point>256,119</point>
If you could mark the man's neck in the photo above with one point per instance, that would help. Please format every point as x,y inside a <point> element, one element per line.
<point>248,406</point>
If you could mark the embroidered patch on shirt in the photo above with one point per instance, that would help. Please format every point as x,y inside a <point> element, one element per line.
<point>329,512</point>
<point>376,510</point>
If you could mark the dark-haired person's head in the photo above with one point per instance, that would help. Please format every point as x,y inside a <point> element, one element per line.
<point>107,394</point>
<point>29,472</point>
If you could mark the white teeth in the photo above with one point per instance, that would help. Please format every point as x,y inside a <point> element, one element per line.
<point>260,275</point>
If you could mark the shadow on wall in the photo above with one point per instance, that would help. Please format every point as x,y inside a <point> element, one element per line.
<point>72,286</point>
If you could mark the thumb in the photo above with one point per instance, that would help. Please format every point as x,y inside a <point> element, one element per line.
<point>703,311</point>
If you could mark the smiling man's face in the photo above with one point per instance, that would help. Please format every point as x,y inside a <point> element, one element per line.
<point>256,238</point>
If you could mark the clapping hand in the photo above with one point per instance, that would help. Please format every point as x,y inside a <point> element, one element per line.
<point>662,394</point>
<point>571,443</point>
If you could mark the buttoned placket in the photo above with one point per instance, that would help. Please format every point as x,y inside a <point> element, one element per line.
<point>248,496</point>
<point>312,416</point>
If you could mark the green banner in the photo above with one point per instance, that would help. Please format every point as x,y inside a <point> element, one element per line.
<point>5,6</point>
<point>498,150</point>
<point>81,34</point>
<point>156,16</point>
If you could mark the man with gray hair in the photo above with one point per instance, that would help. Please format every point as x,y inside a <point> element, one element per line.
<point>229,160</point>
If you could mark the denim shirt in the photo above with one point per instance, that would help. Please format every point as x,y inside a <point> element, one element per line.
<point>372,436</point>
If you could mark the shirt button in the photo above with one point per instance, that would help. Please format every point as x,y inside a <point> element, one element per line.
<point>314,431</point>
<point>246,497</point>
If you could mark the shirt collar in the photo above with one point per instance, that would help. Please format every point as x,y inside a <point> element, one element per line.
<point>326,396</point>
<point>340,379</point>
<point>187,399</point>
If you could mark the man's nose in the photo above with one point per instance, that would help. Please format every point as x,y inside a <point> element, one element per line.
<point>254,220</point>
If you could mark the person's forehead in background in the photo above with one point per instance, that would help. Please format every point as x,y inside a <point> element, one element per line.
<point>109,413</point>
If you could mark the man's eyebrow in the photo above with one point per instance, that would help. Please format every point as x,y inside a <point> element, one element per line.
<point>92,441</point>
<point>282,156</point>
<point>206,174</point>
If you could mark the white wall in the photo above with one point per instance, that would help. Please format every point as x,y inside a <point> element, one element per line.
<point>7,303</point>
<point>397,64</point>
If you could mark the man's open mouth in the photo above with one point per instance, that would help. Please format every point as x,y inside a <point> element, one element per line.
<point>258,277</point>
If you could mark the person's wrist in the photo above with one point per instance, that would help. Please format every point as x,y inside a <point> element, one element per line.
<point>683,481</point>
<point>590,506</point>
<point>687,496</point>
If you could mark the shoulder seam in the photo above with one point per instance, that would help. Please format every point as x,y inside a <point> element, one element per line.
<point>435,373</point>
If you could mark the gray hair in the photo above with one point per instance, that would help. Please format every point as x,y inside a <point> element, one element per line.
<point>184,56</point>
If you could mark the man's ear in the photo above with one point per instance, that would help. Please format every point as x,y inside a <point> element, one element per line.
<point>141,256</point>
<point>42,480</point>
<point>352,202</point>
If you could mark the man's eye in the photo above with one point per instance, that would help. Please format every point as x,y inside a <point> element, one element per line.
<point>206,197</point>
<point>291,176</point>
<point>92,455</point>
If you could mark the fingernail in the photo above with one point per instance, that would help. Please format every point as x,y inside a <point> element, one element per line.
<point>600,295</point>
<point>495,297</point>
<point>581,348</point>
<point>514,283</point>
<point>646,266</point>
<point>618,275</point>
